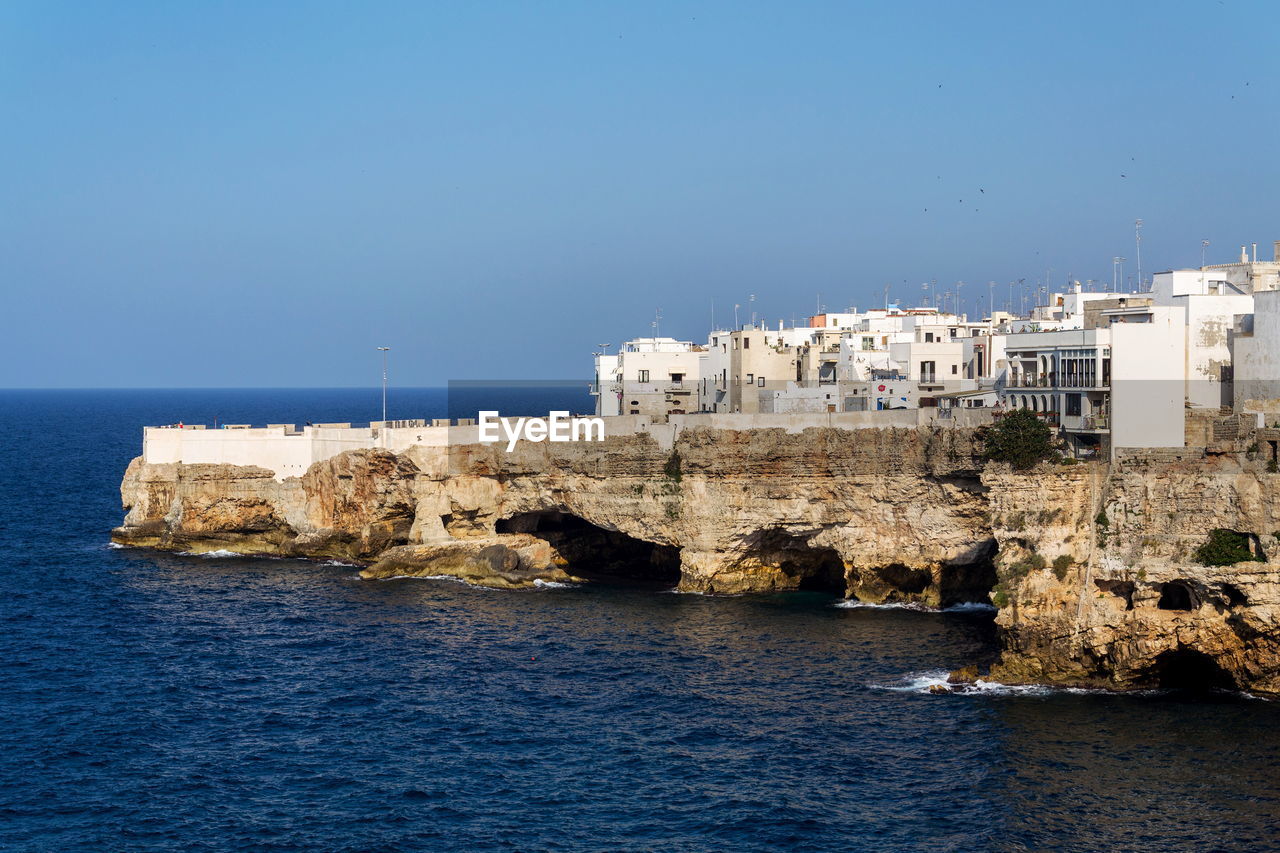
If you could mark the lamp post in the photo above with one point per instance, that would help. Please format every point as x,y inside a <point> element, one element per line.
<point>384,351</point>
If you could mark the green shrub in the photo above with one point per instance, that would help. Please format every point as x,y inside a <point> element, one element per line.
<point>1224,548</point>
<point>672,468</point>
<point>1021,439</point>
<point>1033,562</point>
<point>1272,467</point>
<point>1061,564</point>
<point>1101,520</point>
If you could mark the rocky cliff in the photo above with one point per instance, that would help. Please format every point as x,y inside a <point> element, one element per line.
<point>1102,580</point>
<point>1092,566</point>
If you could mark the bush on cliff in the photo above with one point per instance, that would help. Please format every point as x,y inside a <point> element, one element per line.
<point>1226,548</point>
<point>1021,439</point>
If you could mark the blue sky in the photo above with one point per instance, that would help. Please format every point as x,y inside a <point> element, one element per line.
<point>245,194</point>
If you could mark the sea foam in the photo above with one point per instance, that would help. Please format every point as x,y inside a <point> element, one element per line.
<point>962,607</point>
<point>924,682</point>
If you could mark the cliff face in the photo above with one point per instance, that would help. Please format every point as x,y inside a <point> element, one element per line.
<point>1135,607</point>
<point>1092,566</point>
<point>892,515</point>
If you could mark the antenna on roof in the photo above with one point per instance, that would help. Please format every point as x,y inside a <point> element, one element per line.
<point>1137,238</point>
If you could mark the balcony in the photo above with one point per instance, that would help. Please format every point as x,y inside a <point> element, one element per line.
<point>1086,423</point>
<point>1052,380</point>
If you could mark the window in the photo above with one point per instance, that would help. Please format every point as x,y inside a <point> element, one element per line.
<point>760,381</point>
<point>928,337</point>
<point>954,370</point>
<point>1073,404</point>
<point>644,376</point>
<point>751,378</point>
<point>746,343</point>
<point>677,377</point>
<point>928,371</point>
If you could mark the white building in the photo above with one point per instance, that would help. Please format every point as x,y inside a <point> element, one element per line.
<point>1256,355</point>
<point>1127,381</point>
<point>648,376</point>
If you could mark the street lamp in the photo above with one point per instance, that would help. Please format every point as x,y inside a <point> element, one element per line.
<point>384,351</point>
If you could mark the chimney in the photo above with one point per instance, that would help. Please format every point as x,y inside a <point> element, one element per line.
<point>1244,254</point>
<point>1275,251</point>
<point>1255,253</point>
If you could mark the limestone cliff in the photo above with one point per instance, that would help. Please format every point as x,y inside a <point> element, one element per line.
<point>884,515</point>
<point>1102,584</point>
<point>1093,566</point>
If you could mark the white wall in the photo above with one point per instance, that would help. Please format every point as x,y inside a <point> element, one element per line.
<point>1208,345</point>
<point>1147,381</point>
<point>1256,358</point>
<point>271,448</point>
<point>290,454</point>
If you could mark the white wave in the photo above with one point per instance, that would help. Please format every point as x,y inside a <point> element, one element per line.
<point>541,584</point>
<point>854,604</point>
<point>962,607</point>
<point>970,607</point>
<point>341,563</point>
<point>924,682</point>
<point>213,555</point>
<point>114,545</point>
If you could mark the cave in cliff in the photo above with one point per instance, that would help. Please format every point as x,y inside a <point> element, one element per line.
<point>970,579</point>
<point>814,569</point>
<point>1187,669</point>
<point>591,551</point>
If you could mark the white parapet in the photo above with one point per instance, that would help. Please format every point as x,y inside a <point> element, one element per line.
<point>288,451</point>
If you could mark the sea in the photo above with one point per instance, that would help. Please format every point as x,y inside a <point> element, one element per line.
<point>153,701</point>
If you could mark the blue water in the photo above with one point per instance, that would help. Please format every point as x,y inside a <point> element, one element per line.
<point>159,702</point>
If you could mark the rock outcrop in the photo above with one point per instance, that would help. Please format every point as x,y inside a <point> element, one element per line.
<point>1093,566</point>
<point>1117,597</point>
<point>518,561</point>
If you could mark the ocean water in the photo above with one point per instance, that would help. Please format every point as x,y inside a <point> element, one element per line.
<point>158,702</point>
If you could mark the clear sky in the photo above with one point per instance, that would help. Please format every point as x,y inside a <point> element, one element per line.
<point>259,194</point>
